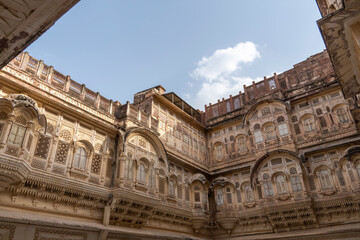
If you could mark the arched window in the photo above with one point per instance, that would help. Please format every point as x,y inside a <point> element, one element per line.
<point>219,197</point>
<point>242,144</point>
<point>172,188</point>
<point>249,195</point>
<point>325,179</point>
<point>16,135</point>
<point>309,124</point>
<point>141,173</point>
<point>80,158</point>
<point>219,151</point>
<point>236,103</point>
<point>281,184</point>
<point>215,111</point>
<point>197,194</point>
<point>342,116</point>
<point>270,132</point>
<point>228,195</point>
<point>258,137</point>
<point>283,129</point>
<point>268,190</point>
<point>228,107</point>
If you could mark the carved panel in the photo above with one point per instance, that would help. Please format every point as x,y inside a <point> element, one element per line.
<point>7,231</point>
<point>96,164</point>
<point>58,169</point>
<point>14,151</point>
<point>66,135</point>
<point>50,127</point>
<point>161,185</point>
<point>20,120</point>
<point>28,145</point>
<point>3,115</point>
<point>62,151</point>
<point>43,146</point>
<point>39,164</point>
<point>58,234</point>
<point>94,179</point>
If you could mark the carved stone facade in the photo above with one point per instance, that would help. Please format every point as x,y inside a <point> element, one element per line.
<point>279,160</point>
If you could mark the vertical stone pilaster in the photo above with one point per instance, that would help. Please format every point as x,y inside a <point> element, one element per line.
<point>50,73</point>
<point>110,110</point>
<point>40,68</point>
<point>97,100</point>
<point>6,130</point>
<point>67,83</point>
<point>83,91</point>
<point>25,60</point>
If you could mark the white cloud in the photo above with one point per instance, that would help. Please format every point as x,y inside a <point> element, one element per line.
<point>225,61</point>
<point>219,74</point>
<point>211,91</point>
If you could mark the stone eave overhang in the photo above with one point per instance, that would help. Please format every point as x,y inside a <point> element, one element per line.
<point>233,168</point>
<point>174,157</point>
<point>329,145</point>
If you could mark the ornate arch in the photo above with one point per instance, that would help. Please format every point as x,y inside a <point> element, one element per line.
<point>151,137</point>
<point>265,157</point>
<point>254,107</point>
<point>198,177</point>
<point>221,181</point>
<point>24,104</point>
<point>351,152</point>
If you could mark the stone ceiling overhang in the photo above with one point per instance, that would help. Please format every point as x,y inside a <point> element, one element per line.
<point>23,21</point>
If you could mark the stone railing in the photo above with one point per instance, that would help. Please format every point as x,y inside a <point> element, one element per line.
<point>130,111</point>
<point>50,77</point>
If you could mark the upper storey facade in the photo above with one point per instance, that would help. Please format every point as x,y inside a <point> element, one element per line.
<point>239,168</point>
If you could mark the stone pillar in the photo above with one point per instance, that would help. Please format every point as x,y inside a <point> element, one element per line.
<point>110,110</point>
<point>6,130</point>
<point>50,73</point>
<point>67,84</point>
<point>52,153</point>
<point>107,211</point>
<point>97,100</point>
<point>29,126</point>
<point>82,93</point>
<point>122,165</point>
<point>240,99</point>
<point>267,86</point>
<point>255,90</point>
<point>277,81</point>
<point>246,94</point>
<point>287,82</point>
<point>40,68</point>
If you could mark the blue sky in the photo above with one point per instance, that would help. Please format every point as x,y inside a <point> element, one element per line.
<point>201,49</point>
